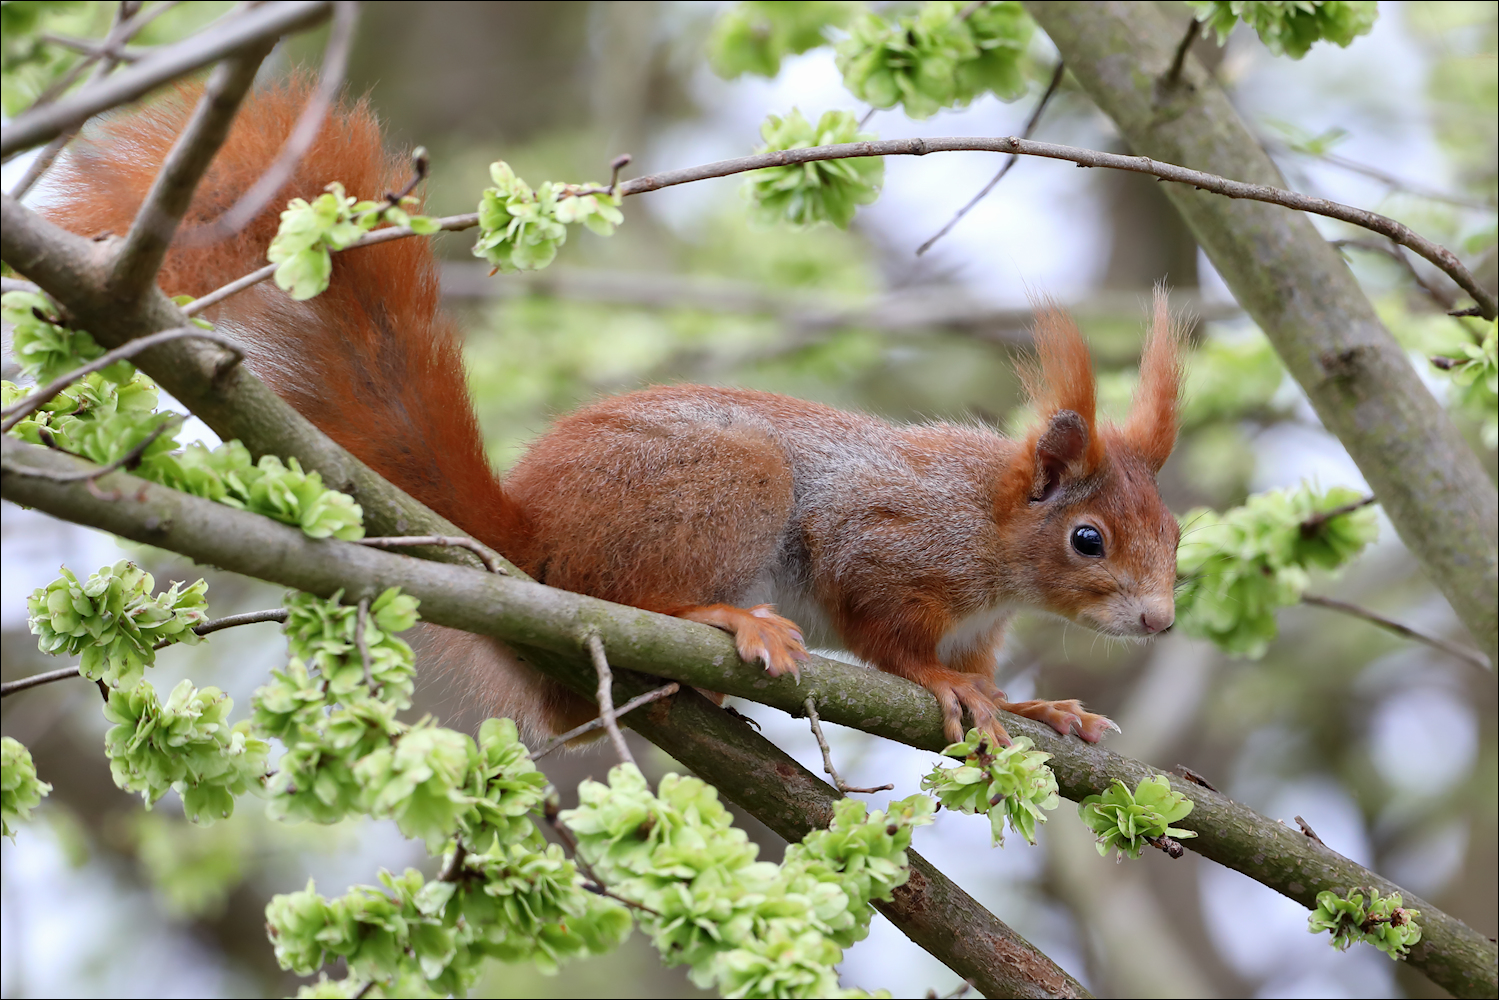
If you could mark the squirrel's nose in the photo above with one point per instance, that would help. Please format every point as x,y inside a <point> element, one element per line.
<point>1156,621</point>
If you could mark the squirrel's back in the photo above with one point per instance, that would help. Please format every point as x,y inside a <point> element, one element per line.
<point>373,361</point>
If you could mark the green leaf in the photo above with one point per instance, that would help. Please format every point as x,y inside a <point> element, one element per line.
<point>1290,27</point>
<point>937,58</point>
<point>821,191</point>
<point>114,621</point>
<point>1240,567</point>
<point>20,791</point>
<point>1006,783</point>
<point>1126,821</point>
<point>754,37</point>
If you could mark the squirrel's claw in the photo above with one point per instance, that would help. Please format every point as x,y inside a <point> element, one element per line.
<point>760,635</point>
<point>1065,717</point>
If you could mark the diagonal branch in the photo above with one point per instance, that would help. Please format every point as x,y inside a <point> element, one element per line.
<point>145,246</point>
<point>546,623</point>
<point>1197,179</point>
<point>1470,656</point>
<point>262,23</point>
<point>330,81</point>
<point>1010,161</point>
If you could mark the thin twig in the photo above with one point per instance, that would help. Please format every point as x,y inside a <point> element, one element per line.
<point>229,621</point>
<point>449,541</point>
<point>145,247</point>
<point>127,26</point>
<point>1471,656</point>
<point>232,621</point>
<point>94,50</point>
<point>1306,828</point>
<point>451,870</point>
<point>606,697</point>
<point>1169,845</point>
<point>108,50</point>
<point>827,754</point>
<point>1314,524</point>
<point>361,622</point>
<point>1387,179</point>
<point>129,460</point>
<point>1212,183</point>
<point>36,680</point>
<point>571,843</point>
<point>1180,59</point>
<point>220,294</point>
<point>1440,296</point>
<point>249,27</point>
<point>18,410</point>
<point>615,166</point>
<point>664,691</point>
<point>1195,778</point>
<point>1030,128</point>
<point>303,134</point>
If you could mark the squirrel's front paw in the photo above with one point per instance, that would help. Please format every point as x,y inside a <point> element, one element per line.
<point>1065,717</point>
<point>759,634</point>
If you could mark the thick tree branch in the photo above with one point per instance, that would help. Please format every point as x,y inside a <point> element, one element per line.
<point>145,246</point>
<point>749,770</point>
<point>261,23</point>
<point>1303,296</point>
<point>549,623</point>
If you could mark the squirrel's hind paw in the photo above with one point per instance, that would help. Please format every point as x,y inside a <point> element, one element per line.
<point>759,634</point>
<point>1065,717</point>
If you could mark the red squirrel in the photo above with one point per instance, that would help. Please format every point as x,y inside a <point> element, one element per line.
<point>909,546</point>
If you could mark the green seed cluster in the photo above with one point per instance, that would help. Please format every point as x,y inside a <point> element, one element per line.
<point>106,415</point>
<point>1290,27</point>
<point>1005,783</point>
<point>754,37</point>
<point>20,791</point>
<point>1475,380</point>
<point>522,230</point>
<point>1126,821</point>
<point>943,56</point>
<point>185,743</point>
<point>1384,922</point>
<point>1240,567</point>
<point>805,194</point>
<point>311,231</point>
<point>113,620</point>
<point>510,896</point>
<point>745,927</point>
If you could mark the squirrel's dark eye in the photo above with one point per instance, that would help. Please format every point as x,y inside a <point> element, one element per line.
<point>1087,541</point>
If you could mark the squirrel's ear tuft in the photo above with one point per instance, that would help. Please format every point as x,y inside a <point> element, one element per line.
<point>1061,453</point>
<point>1151,427</point>
<point>1062,382</point>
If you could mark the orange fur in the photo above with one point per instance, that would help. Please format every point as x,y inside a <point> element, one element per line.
<point>910,546</point>
<point>1151,426</point>
<point>372,361</point>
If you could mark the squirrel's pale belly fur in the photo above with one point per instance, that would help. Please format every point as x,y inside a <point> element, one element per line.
<point>908,546</point>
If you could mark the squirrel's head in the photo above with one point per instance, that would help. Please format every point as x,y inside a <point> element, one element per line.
<point>1098,544</point>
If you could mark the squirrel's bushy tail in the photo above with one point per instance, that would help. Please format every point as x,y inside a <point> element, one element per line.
<point>372,361</point>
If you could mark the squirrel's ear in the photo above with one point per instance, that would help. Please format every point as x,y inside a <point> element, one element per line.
<point>1151,427</point>
<point>1061,453</point>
